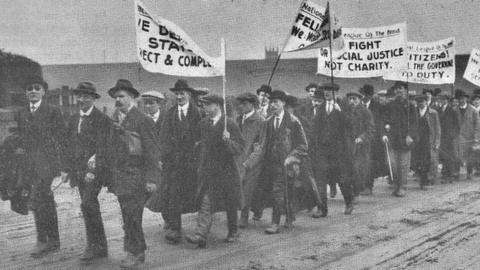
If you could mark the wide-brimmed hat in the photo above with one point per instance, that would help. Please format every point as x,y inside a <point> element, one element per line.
<point>291,101</point>
<point>86,88</point>
<point>153,94</point>
<point>248,97</point>
<point>311,85</point>
<point>459,93</point>
<point>200,91</point>
<point>123,84</point>
<point>354,94</point>
<point>278,94</point>
<point>421,98</point>
<point>35,80</point>
<point>367,90</point>
<point>329,87</point>
<point>427,90</point>
<point>264,88</point>
<point>181,85</point>
<point>212,99</point>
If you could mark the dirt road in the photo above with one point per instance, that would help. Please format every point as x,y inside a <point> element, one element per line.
<point>433,229</point>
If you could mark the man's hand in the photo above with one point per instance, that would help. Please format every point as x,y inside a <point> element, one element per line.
<point>226,135</point>
<point>160,165</point>
<point>151,187</point>
<point>91,162</point>
<point>385,139</point>
<point>336,107</point>
<point>358,140</point>
<point>409,140</point>
<point>89,177</point>
<point>64,177</point>
<point>387,127</point>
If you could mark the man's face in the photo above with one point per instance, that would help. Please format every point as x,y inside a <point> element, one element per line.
<point>353,101</point>
<point>263,98</point>
<point>152,105</point>
<point>84,101</point>
<point>311,91</point>
<point>245,107</point>
<point>366,98</point>
<point>429,96</point>
<point>462,101</point>
<point>422,104</point>
<point>182,97</point>
<point>277,106</point>
<point>123,100</point>
<point>317,102</point>
<point>476,102</point>
<point>442,101</point>
<point>382,100</point>
<point>328,95</point>
<point>35,92</point>
<point>401,92</point>
<point>455,103</point>
<point>211,109</point>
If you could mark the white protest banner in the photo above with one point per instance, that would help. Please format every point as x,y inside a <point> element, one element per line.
<point>163,47</point>
<point>472,72</point>
<point>369,52</point>
<point>311,29</point>
<point>428,63</point>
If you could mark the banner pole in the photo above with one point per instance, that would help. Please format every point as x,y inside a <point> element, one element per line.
<point>274,68</point>
<point>224,81</point>
<point>331,51</point>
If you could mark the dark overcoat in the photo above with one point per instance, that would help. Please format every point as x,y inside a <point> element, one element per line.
<point>155,175</point>
<point>402,118</point>
<point>377,151</point>
<point>469,134</point>
<point>218,173</point>
<point>450,129</point>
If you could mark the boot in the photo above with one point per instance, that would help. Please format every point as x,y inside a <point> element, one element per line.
<point>173,237</point>
<point>348,209</point>
<point>232,237</point>
<point>132,261</point>
<point>243,222</point>
<point>196,239</point>
<point>273,229</point>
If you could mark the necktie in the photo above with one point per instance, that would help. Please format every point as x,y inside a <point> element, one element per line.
<point>277,122</point>
<point>329,108</point>
<point>182,115</point>
<point>32,108</point>
<point>80,121</point>
<point>212,122</point>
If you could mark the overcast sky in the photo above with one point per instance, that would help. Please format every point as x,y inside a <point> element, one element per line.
<point>92,31</point>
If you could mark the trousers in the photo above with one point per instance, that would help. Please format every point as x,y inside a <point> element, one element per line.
<point>131,206</point>
<point>92,217</point>
<point>205,217</point>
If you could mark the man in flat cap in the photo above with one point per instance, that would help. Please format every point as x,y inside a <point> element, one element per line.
<point>469,131</point>
<point>429,134</point>
<point>378,167</point>
<point>263,94</point>
<point>87,139</point>
<point>283,145</point>
<point>359,133</point>
<point>219,181</point>
<point>400,132</point>
<point>43,130</point>
<point>250,123</point>
<point>450,128</point>
<point>180,134</point>
<point>133,148</point>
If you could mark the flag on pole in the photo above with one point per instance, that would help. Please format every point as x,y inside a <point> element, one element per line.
<point>472,72</point>
<point>163,47</point>
<point>311,29</point>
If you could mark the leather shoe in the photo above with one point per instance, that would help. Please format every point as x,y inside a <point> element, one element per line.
<point>348,209</point>
<point>196,240</point>
<point>173,237</point>
<point>91,254</point>
<point>43,249</point>
<point>400,193</point>
<point>320,213</point>
<point>232,237</point>
<point>132,261</point>
<point>243,222</point>
<point>273,229</point>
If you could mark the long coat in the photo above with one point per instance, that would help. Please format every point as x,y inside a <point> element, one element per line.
<point>377,152</point>
<point>434,140</point>
<point>218,173</point>
<point>250,131</point>
<point>469,132</point>
<point>128,171</point>
<point>43,134</point>
<point>180,157</point>
<point>402,118</point>
<point>93,140</point>
<point>359,124</point>
<point>450,130</point>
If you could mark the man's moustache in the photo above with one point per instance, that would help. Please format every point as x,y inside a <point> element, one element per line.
<point>118,104</point>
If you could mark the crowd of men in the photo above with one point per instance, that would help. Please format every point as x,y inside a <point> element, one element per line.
<point>278,152</point>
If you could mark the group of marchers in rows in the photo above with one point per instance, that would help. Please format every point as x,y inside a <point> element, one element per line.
<point>278,152</point>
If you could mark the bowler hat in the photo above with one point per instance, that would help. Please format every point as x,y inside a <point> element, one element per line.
<point>278,94</point>
<point>398,84</point>
<point>367,90</point>
<point>86,88</point>
<point>153,94</point>
<point>459,93</point>
<point>212,99</point>
<point>123,84</point>
<point>181,85</point>
<point>329,87</point>
<point>437,91</point>
<point>427,90</point>
<point>248,97</point>
<point>264,88</point>
<point>35,80</point>
<point>311,85</point>
<point>354,94</point>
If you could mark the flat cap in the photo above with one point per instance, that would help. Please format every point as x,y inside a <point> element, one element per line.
<point>248,97</point>
<point>153,94</point>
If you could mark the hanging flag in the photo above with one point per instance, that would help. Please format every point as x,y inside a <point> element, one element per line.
<point>311,29</point>
<point>472,72</point>
<point>163,47</point>
<point>428,63</point>
<point>369,52</point>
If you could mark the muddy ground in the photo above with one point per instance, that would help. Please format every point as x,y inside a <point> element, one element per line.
<point>433,229</point>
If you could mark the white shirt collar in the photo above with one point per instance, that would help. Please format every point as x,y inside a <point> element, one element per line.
<point>155,116</point>
<point>280,117</point>
<point>367,104</point>
<point>184,107</point>
<point>87,113</point>
<point>36,104</point>
<point>248,115</point>
<point>463,107</point>
<point>216,118</point>
<point>423,111</point>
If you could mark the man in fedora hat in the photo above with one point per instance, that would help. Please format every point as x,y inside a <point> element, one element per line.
<point>43,130</point>
<point>263,94</point>
<point>133,149</point>
<point>450,127</point>
<point>400,132</point>
<point>250,123</point>
<point>283,145</point>
<point>180,134</point>
<point>219,181</point>
<point>469,131</point>
<point>86,143</point>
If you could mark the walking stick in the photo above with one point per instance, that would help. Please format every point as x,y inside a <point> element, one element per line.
<point>288,214</point>
<point>389,161</point>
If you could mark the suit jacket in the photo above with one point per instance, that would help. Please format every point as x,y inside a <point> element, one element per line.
<point>359,124</point>
<point>449,123</point>
<point>469,131</point>
<point>402,117</point>
<point>92,140</point>
<point>43,134</point>
<point>434,127</point>
<point>128,171</point>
